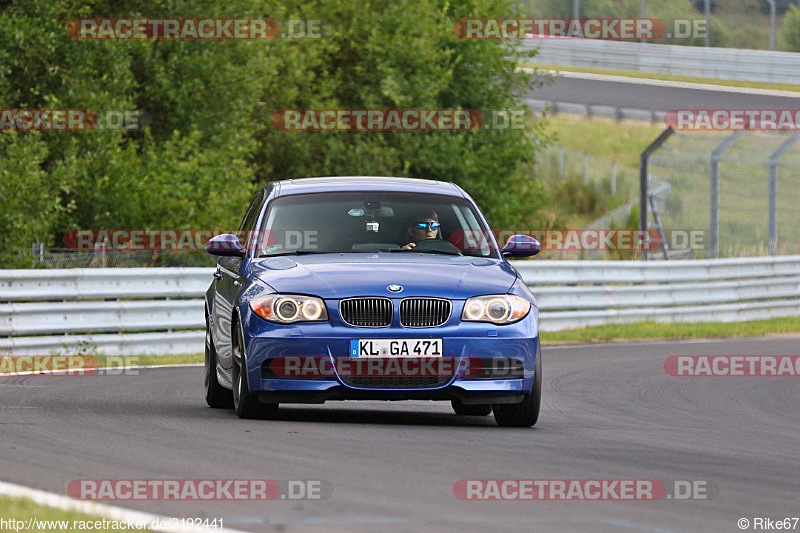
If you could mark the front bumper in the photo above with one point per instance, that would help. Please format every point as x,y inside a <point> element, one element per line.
<point>468,392</point>
<point>265,341</point>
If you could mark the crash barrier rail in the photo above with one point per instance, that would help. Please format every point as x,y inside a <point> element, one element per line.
<point>722,63</point>
<point>586,293</point>
<point>160,310</point>
<point>595,110</point>
<point>114,311</point>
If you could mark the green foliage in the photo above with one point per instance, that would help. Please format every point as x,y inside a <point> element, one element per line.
<point>404,54</point>
<point>781,6</point>
<point>26,198</point>
<point>583,198</point>
<point>791,29</point>
<point>211,144</point>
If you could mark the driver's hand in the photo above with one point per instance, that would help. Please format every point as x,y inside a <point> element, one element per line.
<point>409,246</point>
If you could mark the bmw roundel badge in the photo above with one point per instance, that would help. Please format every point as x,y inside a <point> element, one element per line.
<point>395,288</point>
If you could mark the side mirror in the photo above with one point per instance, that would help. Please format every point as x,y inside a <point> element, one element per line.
<point>226,244</point>
<point>521,246</point>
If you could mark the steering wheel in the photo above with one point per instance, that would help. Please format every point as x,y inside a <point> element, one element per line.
<point>438,245</point>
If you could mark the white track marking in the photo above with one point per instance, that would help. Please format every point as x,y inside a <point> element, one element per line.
<point>58,501</point>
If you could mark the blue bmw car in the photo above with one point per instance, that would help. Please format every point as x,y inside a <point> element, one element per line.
<point>370,288</point>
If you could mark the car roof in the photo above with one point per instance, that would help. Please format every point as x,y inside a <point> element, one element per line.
<point>365,183</point>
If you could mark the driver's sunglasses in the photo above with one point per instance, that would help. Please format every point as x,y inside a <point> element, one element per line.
<point>425,225</point>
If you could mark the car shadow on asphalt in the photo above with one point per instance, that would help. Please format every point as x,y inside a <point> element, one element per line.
<point>361,415</point>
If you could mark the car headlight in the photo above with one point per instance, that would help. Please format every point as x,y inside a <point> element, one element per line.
<point>289,308</point>
<point>497,309</point>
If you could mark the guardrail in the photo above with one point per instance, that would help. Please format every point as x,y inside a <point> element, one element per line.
<point>103,309</point>
<point>586,293</point>
<point>160,310</point>
<point>595,110</point>
<point>722,63</point>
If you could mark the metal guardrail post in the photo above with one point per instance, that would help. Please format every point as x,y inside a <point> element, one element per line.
<point>713,238</point>
<point>643,15</point>
<point>772,40</point>
<point>644,184</point>
<point>772,239</point>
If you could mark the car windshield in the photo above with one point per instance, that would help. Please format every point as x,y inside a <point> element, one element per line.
<point>343,222</point>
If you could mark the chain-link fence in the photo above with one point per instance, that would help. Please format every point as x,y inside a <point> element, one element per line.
<point>739,191</point>
<point>611,203</point>
<point>556,161</point>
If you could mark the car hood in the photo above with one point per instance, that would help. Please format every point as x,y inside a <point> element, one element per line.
<point>336,276</point>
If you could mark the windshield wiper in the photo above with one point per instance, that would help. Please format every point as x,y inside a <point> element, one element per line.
<point>307,252</point>
<point>440,252</point>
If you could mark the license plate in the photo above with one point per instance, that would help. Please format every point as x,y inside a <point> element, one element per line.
<point>396,348</point>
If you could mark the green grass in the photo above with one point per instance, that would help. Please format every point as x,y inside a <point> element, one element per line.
<point>622,142</point>
<point>574,204</point>
<point>23,509</point>
<point>676,330</point>
<point>669,77</point>
<point>145,360</point>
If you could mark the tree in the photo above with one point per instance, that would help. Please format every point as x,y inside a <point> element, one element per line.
<point>211,144</point>
<point>791,29</point>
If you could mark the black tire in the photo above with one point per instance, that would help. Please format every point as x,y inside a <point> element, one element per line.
<point>217,396</point>
<point>470,410</point>
<point>245,403</point>
<point>526,413</point>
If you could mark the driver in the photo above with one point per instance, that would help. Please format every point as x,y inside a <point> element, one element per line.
<point>422,227</point>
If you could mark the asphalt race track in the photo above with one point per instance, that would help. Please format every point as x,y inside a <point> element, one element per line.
<point>609,412</point>
<point>653,97</point>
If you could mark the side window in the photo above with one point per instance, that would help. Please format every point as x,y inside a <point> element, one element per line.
<point>249,221</point>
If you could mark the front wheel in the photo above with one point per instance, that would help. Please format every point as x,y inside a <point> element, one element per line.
<point>245,403</point>
<point>526,413</point>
